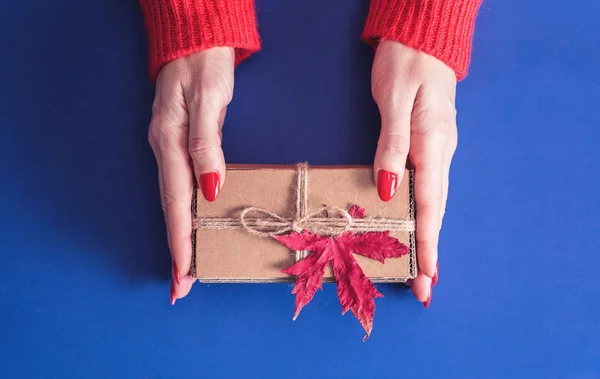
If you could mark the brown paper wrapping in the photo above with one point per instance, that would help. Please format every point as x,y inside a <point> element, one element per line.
<point>235,256</point>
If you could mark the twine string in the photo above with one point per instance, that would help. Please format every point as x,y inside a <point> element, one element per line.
<point>301,205</point>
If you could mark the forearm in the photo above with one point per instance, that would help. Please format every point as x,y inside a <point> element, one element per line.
<point>178,28</point>
<point>441,28</point>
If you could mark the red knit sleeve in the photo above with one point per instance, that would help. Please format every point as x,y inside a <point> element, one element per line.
<point>441,28</point>
<point>180,27</point>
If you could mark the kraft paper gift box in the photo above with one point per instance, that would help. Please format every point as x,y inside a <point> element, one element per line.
<point>237,256</point>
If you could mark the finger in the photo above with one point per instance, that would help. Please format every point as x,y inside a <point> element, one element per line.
<point>427,156</point>
<point>393,145</point>
<point>204,146</point>
<point>169,142</point>
<point>177,179</point>
<point>422,289</point>
<point>448,154</point>
<point>221,121</point>
<point>167,136</point>
<point>445,181</point>
<point>428,199</point>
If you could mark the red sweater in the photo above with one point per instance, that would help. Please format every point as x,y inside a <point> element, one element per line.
<point>441,28</point>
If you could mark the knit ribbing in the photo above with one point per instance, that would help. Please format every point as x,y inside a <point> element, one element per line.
<point>441,28</point>
<point>181,27</point>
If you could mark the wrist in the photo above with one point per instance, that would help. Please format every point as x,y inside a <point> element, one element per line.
<point>440,28</point>
<point>178,28</point>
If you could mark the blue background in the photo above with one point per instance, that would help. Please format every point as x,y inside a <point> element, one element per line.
<point>84,283</point>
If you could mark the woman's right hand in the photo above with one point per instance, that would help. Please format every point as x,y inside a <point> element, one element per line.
<point>192,94</point>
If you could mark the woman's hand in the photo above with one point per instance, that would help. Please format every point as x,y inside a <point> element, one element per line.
<point>192,94</point>
<point>415,93</point>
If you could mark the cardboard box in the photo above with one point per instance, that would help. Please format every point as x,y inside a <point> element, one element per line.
<point>236,256</point>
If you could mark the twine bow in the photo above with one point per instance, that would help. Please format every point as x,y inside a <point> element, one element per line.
<point>329,220</point>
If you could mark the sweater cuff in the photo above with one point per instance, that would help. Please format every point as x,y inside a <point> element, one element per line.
<point>178,28</point>
<point>441,28</point>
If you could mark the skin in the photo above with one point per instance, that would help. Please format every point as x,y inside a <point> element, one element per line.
<point>415,94</point>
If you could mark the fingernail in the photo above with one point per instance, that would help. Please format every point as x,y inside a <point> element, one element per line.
<point>426,303</point>
<point>434,280</point>
<point>210,184</point>
<point>175,272</point>
<point>172,293</point>
<point>387,182</point>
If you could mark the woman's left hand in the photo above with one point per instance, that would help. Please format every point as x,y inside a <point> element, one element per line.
<point>415,93</point>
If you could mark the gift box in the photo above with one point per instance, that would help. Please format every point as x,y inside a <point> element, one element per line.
<point>228,249</point>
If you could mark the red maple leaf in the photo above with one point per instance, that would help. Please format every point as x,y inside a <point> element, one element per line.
<point>355,291</point>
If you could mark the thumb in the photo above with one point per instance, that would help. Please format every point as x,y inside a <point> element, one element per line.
<point>205,147</point>
<point>392,149</point>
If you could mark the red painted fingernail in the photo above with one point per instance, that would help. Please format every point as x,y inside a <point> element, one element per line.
<point>175,272</point>
<point>210,184</point>
<point>434,280</point>
<point>426,303</point>
<point>172,293</point>
<point>387,182</point>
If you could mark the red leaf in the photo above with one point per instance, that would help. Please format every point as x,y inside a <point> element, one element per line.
<point>355,291</point>
<point>374,245</point>
<point>356,212</point>
<point>308,271</point>
<point>300,241</point>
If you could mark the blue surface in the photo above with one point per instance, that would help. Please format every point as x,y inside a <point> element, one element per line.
<point>85,267</point>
